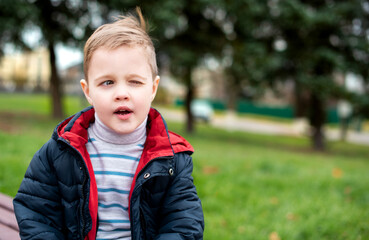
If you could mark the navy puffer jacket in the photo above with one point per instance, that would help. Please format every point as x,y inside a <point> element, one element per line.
<point>58,195</point>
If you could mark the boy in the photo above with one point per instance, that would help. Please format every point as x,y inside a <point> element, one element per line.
<point>113,171</point>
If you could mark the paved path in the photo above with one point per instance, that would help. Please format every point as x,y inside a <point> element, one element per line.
<point>297,128</point>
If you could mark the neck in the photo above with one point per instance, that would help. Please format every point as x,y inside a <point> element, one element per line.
<point>108,135</point>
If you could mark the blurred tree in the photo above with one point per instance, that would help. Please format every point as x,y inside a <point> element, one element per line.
<point>190,37</point>
<point>323,38</point>
<point>12,24</point>
<point>246,54</point>
<point>64,22</point>
<point>307,41</point>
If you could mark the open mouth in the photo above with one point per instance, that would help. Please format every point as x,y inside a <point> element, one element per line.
<point>123,112</point>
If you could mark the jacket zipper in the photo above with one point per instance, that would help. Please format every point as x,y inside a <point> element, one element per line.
<point>142,219</point>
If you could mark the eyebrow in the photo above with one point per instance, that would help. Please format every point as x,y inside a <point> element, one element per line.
<point>133,75</point>
<point>110,76</point>
<point>104,76</point>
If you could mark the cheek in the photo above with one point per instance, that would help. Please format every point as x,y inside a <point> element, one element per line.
<point>89,100</point>
<point>143,100</point>
<point>98,101</point>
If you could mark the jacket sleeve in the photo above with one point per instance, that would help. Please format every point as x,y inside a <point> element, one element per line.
<point>37,204</point>
<point>182,213</point>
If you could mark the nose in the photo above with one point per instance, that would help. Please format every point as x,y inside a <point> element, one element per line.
<point>121,95</point>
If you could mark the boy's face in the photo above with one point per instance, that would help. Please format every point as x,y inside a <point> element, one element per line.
<point>120,87</point>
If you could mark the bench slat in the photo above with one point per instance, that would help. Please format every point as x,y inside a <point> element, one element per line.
<point>8,224</point>
<point>8,233</point>
<point>6,202</point>
<point>8,219</point>
<point>7,216</point>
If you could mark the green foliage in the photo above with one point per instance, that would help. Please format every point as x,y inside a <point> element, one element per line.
<point>67,22</point>
<point>361,106</point>
<point>308,42</point>
<point>321,38</point>
<point>13,18</point>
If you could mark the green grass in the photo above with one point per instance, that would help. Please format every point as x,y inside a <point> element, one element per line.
<point>251,186</point>
<point>38,103</point>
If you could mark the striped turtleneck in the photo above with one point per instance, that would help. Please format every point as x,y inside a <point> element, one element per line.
<point>114,158</point>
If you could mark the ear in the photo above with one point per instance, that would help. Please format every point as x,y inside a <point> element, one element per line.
<point>155,87</point>
<point>86,90</point>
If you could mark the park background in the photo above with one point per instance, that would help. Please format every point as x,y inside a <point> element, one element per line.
<point>285,156</point>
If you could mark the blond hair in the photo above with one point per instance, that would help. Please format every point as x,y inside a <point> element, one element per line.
<point>126,31</point>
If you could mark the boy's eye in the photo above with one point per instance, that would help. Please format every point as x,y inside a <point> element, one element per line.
<point>107,82</point>
<point>135,82</point>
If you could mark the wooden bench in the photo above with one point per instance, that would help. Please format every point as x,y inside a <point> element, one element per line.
<point>8,224</point>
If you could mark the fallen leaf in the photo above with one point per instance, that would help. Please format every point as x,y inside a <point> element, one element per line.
<point>241,229</point>
<point>291,216</point>
<point>337,173</point>
<point>208,170</point>
<point>274,236</point>
<point>347,190</point>
<point>224,223</point>
<point>274,200</point>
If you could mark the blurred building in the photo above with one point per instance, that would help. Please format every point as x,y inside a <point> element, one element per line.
<point>71,77</point>
<point>170,89</point>
<point>210,83</point>
<point>30,72</point>
<point>27,71</point>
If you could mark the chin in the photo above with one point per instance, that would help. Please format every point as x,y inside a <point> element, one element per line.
<point>123,132</point>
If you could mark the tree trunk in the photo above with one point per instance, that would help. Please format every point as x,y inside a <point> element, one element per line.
<point>344,128</point>
<point>190,127</point>
<point>233,90</point>
<point>55,86</point>
<point>317,119</point>
<point>300,100</point>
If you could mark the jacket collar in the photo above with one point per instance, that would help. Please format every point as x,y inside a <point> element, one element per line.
<point>160,142</point>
